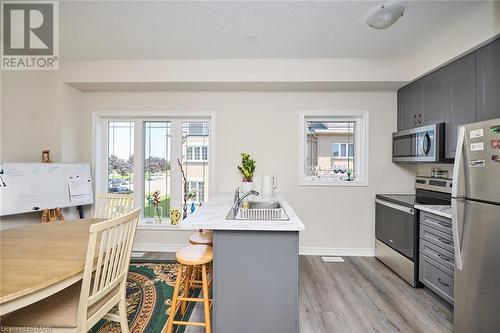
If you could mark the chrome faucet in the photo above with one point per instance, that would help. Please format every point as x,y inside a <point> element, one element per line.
<point>238,200</point>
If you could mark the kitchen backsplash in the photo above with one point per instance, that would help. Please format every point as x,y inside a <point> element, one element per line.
<point>425,170</point>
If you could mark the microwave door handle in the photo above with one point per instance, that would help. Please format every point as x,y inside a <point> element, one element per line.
<point>458,176</point>
<point>426,144</point>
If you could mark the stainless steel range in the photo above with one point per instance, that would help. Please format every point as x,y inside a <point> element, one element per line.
<point>397,226</point>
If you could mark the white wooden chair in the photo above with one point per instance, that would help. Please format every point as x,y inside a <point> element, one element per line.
<point>109,205</point>
<point>79,307</point>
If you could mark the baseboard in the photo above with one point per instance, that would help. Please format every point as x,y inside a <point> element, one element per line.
<point>336,251</point>
<point>304,250</point>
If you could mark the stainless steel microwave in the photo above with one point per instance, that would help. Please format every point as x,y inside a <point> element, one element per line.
<point>419,145</point>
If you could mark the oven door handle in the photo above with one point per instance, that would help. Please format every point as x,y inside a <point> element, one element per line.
<point>405,209</point>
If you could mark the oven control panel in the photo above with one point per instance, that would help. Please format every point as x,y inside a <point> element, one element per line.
<point>434,184</point>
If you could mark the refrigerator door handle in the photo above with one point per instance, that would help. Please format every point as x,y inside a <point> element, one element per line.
<point>458,168</point>
<point>456,233</point>
<point>456,192</point>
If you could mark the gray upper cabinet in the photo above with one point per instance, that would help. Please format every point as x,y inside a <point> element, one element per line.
<point>409,105</point>
<point>488,81</point>
<point>462,97</point>
<point>465,91</point>
<point>435,98</point>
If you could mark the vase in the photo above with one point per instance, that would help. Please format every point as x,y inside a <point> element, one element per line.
<point>245,187</point>
<point>158,214</point>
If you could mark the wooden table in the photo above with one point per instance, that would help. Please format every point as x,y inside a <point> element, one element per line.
<point>39,260</point>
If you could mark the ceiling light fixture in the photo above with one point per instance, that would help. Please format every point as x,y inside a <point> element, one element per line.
<point>385,15</point>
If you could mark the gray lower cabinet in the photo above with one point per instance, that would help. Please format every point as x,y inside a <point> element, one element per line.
<point>255,286</point>
<point>436,255</point>
<point>488,81</point>
<point>437,278</point>
<point>462,93</point>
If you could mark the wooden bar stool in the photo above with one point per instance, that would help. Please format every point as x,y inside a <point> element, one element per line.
<point>188,258</point>
<point>203,237</point>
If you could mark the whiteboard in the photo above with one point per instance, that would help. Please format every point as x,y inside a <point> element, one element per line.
<point>28,187</point>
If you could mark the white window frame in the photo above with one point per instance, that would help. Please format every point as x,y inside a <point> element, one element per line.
<point>176,118</point>
<point>361,146</point>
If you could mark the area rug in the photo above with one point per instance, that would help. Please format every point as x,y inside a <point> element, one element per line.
<point>149,294</point>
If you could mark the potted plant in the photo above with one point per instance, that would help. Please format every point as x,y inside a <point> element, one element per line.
<point>246,168</point>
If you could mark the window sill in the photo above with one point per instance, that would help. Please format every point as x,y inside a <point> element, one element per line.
<point>335,183</point>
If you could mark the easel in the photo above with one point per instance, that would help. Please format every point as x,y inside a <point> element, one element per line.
<point>50,215</point>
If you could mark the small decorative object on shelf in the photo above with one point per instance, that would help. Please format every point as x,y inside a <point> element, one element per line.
<point>154,199</point>
<point>46,156</point>
<point>192,197</point>
<point>349,174</point>
<point>247,169</point>
<point>175,216</point>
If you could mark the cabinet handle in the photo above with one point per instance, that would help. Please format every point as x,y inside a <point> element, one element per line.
<point>444,257</point>
<point>444,224</point>
<point>444,241</point>
<point>443,283</point>
<point>420,118</point>
<point>414,119</point>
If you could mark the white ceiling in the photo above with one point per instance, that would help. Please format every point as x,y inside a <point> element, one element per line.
<point>93,30</point>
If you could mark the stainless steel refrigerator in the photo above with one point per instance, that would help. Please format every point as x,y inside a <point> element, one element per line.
<point>476,228</point>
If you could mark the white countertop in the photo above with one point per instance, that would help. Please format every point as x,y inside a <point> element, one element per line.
<point>212,215</point>
<point>441,210</point>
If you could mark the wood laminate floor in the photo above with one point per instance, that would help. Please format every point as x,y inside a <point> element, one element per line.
<point>359,295</point>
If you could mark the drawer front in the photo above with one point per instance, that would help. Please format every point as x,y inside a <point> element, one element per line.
<point>437,222</point>
<point>436,277</point>
<point>445,258</point>
<point>437,237</point>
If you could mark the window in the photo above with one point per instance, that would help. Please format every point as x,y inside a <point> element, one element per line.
<point>339,150</point>
<point>198,191</point>
<point>151,147</point>
<point>120,157</point>
<point>197,153</point>
<point>157,174</point>
<point>334,149</point>
<point>195,140</point>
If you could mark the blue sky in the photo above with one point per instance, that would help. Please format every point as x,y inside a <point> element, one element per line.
<point>121,139</point>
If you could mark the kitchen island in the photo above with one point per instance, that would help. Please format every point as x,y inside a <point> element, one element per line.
<point>255,280</point>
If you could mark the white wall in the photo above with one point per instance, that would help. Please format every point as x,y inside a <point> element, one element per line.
<point>30,118</point>
<point>265,124</point>
<point>452,41</point>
